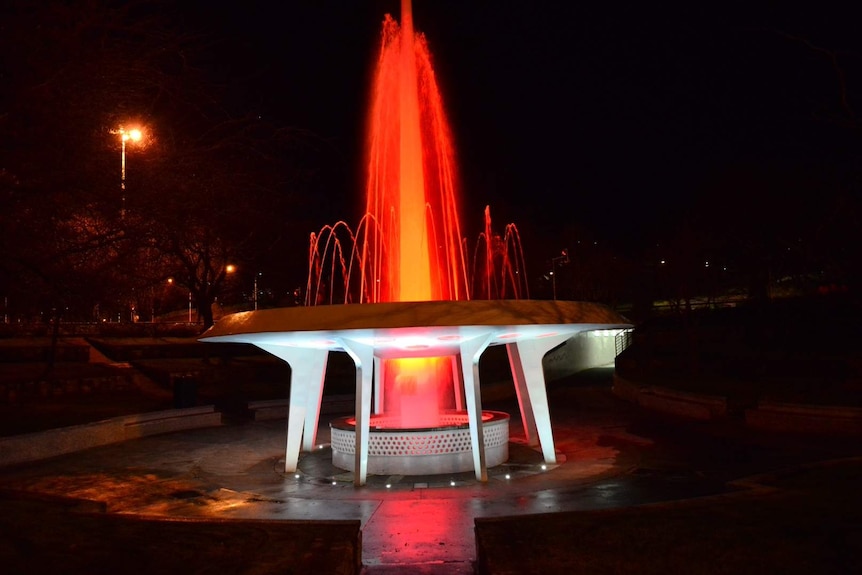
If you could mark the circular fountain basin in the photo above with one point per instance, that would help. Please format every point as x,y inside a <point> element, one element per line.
<point>421,451</point>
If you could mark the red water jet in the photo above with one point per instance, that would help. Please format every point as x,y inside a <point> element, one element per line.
<point>414,251</point>
<point>408,245</point>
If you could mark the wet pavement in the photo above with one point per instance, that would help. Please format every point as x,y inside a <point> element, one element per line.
<point>610,453</point>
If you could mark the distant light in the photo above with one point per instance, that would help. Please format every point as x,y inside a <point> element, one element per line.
<point>335,483</point>
<point>543,467</point>
<point>134,135</point>
<point>452,483</point>
<point>296,475</point>
<point>662,262</point>
<point>508,476</point>
<point>706,264</point>
<point>388,485</point>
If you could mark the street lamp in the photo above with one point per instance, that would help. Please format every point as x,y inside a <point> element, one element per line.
<point>561,259</point>
<point>255,289</point>
<point>134,135</point>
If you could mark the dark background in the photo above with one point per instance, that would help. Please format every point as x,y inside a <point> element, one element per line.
<point>615,119</point>
<point>675,152</point>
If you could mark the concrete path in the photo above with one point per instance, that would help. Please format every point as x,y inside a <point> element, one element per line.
<point>611,455</point>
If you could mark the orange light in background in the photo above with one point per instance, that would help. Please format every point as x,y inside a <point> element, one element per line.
<point>131,134</point>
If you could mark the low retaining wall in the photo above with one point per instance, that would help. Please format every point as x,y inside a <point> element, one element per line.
<point>671,401</point>
<point>691,405</point>
<point>767,416</point>
<point>45,444</point>
<point>789,417</point>
<point>278,408</point>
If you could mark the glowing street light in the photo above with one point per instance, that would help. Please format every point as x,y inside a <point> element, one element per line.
<point>134,135</point>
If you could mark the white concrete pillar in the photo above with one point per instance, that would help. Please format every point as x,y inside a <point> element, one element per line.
<point>378,385</point>
<point>471,351</point>
<point>363,357</point>
<point>307,370</point>
<point>457,382</point>
<point>527,419</point>
<point>529,354</point>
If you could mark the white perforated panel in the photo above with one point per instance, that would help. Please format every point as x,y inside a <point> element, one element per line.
<point>401,443</point>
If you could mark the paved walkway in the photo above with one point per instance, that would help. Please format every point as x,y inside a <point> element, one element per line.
<point>611,455</point>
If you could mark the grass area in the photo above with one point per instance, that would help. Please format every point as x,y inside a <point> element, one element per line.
<point>812,524</point>
<point>796,351</point>
<point>32,398</point>
<point>746,392</point>
<point>34,411</point>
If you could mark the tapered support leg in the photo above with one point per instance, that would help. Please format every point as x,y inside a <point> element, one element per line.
<point>378,385</point>
<point>307,370</point>
<point>471,351</point>
<point>520,380</point>
<point>363,357</point>
<point>530,353</point>
<point>458,382</point>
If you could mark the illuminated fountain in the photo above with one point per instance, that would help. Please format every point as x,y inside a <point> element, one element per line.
<point>414,332</point>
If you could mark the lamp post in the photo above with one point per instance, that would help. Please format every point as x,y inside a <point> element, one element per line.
<point>255,289</point>
<point>561,259</point>
<point>134,135</point>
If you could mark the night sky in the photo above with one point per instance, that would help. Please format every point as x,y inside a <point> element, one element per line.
<point>566,114</point>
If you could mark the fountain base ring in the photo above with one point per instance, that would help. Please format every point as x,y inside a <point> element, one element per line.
<point>423,451</point>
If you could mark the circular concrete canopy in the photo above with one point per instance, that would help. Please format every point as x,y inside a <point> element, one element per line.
<point>413,329</point>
